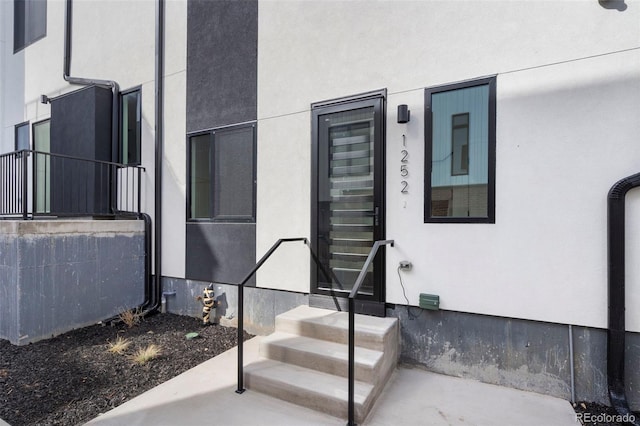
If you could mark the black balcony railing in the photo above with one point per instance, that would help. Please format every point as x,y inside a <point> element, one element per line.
<point>36,183</point>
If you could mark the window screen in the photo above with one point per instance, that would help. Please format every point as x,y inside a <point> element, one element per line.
<point>222,175</point>
<point>233,174</point>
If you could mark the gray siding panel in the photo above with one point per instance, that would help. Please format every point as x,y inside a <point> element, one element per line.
<point>81,127</point>
<point>221,252</point>
<point>222,51</point>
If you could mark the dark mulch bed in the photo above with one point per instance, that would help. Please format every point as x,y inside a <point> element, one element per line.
<point>70,379</point>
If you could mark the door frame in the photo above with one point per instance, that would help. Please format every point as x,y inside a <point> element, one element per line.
<point>368,304</point>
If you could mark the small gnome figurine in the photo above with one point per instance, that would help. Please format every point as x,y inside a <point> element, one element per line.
<point>208,303</point>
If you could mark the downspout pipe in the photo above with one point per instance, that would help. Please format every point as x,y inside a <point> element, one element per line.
<point>159,153</point>
<point>115,88</point>
<point>152,292</point>
<point>147,305</point>
<point>616,283</point>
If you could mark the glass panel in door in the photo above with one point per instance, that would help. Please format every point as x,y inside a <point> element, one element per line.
<point>346,199</point>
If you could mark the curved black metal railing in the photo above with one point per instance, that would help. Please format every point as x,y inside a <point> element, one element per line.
<point>352,296</point>
<point>352,324</point>
<point>241,284</point>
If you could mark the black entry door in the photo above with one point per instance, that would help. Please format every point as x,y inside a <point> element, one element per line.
<point>347,196</point>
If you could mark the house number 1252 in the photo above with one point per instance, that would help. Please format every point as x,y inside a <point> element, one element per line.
<point>404,168</point>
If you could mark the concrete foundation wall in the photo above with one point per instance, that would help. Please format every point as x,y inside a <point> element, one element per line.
<point>260,305</point>
<point>522,354</point>
<point>56,276</point>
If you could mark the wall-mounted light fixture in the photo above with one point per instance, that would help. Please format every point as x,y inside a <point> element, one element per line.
<point>44,99</point>
<point>404,115</point>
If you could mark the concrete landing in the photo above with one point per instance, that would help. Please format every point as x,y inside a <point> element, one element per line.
<point>205,395</point>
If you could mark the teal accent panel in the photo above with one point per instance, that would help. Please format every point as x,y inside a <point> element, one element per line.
<point>475,102</point>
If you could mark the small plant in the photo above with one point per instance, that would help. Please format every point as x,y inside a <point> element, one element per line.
<point>142,356</point>
<point>131,317</point>
<point>119,346</point>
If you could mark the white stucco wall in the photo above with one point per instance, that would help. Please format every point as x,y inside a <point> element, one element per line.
<point>11,80</point>
<point>565,135</point>
<point>567,89</point>
<point>111,40</point>
<point>127,55</point>
<point>174,199</point>
<point>3,44</point>
<point>567,125</point>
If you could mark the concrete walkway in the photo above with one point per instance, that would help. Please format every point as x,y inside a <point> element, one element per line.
<point>205,395</point>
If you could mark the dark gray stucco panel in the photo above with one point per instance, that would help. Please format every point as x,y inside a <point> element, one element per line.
<point>221,252</point>
<point>81,127</point>
<point>81,123</point>
<point>222,51</point>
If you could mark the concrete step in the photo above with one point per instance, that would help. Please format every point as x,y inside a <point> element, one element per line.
<point>380,334</point>
<point>322,355</point>
<point>313,389</point>
<point>306,360</point>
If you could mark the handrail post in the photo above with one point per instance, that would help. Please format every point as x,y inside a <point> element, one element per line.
<point>352,352</point>
<point>25,204</point>
<point>139,188</point>
<point>240,389</point>
<point>352,325</point>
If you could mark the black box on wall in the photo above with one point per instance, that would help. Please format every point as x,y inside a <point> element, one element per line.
<point>81,127</point>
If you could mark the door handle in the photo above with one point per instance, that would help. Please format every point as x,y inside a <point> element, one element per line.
<point>376,214</point>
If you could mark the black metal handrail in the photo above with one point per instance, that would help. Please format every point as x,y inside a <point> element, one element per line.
<point>65,185</point>
<point>240,388</point>
<point>352,295</point>
<point>352,321</point>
